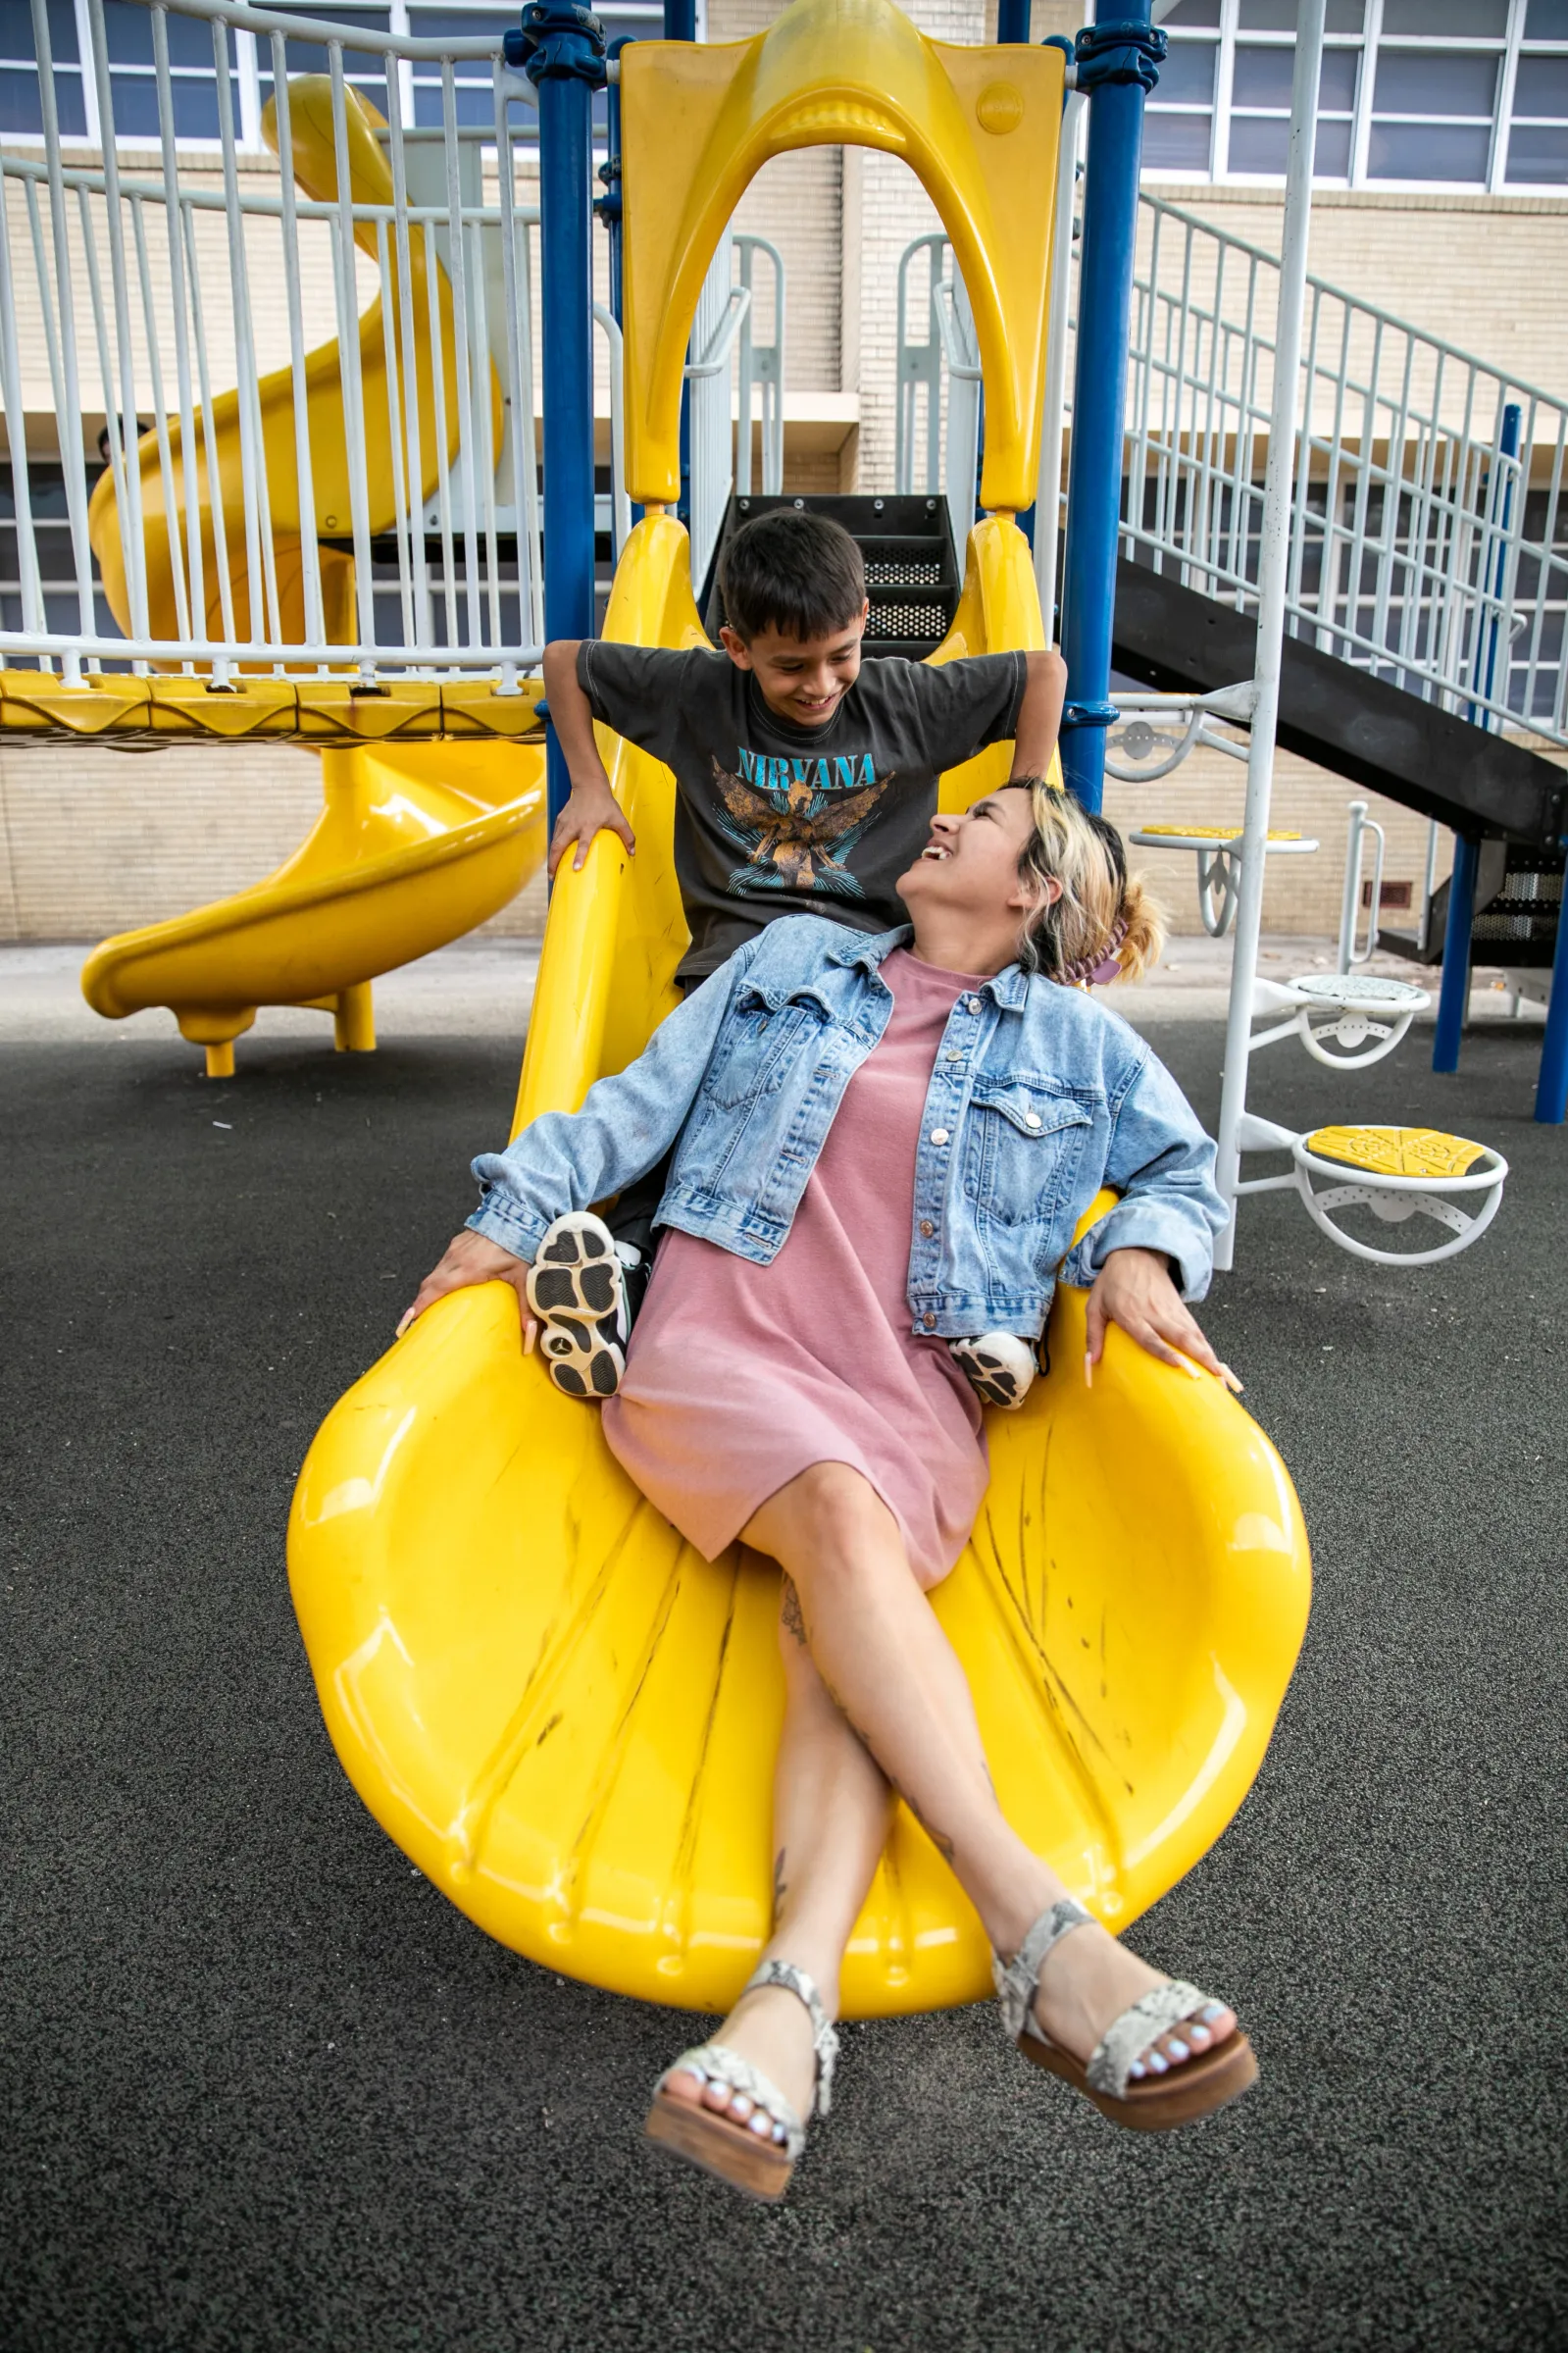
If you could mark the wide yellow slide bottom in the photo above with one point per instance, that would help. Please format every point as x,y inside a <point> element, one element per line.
<point>567,1720</point>
<point>416,844</point>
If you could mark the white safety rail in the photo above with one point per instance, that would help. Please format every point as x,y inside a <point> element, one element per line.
<point>1429,522</point>
<point>725,347</point>
<point>936,432</point>
<point>136,294</point>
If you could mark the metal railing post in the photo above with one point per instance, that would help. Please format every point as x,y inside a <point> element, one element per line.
<point>1117,62</point>
<point>1273,559</point>
<point>561,49</point>
<point>1551,1088</point>
<point>681,24</point>
<point>1453,998</point>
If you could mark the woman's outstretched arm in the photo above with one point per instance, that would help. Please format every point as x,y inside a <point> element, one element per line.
<point>569,1159</point>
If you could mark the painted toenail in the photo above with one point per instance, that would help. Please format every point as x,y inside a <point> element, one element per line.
<point>1175,2050</point>
<point>1137,2067</point>
<point>780,2134</point>
<point>1210,2011</point>
<point>741,2107</point>
<point>1199,2037</point>
<point>1158,2063</point>
<point>762,2125</point>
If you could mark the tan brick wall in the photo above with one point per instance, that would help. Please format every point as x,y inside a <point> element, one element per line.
<point>94,841</point>
<point>1303,892</point>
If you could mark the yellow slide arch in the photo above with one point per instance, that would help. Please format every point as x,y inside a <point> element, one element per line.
<point>416,844</point>
<point>566,1717</point>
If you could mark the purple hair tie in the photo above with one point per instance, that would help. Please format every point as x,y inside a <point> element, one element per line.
<point>1095,973</point>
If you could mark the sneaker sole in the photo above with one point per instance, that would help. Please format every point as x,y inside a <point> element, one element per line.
<point>575,1288</point>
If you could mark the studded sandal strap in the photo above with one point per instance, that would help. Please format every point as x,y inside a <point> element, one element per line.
<point>1128,2037</point>
<point>716,2063</point>
<point>1015,1979</point>
<point>824,2039</point>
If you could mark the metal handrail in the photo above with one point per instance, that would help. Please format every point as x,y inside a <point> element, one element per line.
<point>722,342</point>
<point>142,315</point>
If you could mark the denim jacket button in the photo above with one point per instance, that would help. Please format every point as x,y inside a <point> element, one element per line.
<point>1032,1119</point>
<point>929,1320</point>
<point>972,1004</point>
<point>926,1228</point>
<point>939,1134</point>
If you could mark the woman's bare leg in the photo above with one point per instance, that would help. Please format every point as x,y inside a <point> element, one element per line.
<point>830,1823</point>
<point>885,1661</point>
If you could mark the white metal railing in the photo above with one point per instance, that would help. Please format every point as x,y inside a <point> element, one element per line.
<point>946,361</point>
<point>760,392</point>
<point>381,509</point>
<point>1429,528</point>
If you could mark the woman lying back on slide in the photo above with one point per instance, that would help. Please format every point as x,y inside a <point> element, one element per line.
<point>882,1147</point>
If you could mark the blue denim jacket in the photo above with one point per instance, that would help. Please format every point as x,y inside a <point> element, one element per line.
<point>1038,1097</point>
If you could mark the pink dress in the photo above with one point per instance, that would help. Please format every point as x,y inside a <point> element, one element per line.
<point>738,1377</point>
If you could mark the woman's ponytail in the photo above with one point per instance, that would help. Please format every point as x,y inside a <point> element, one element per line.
<point>1102,923</point>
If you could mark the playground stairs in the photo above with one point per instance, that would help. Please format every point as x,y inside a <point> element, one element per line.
<point>1380,735</point>
<point>1518,907</point>
<point>913,574</point>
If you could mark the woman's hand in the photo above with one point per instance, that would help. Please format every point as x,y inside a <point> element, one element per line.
<point>468,1257</point>
<point>1134,1288</point>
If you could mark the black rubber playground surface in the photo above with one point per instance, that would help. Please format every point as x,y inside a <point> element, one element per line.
<point>262,2087</point>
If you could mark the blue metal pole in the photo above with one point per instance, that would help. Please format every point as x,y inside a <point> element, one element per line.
<point>1117,62</point>
<point>1551,1088</point>
<point>561,49</point>
<point>1012,19</point>
<point>1454,998</point>
<point>681,24</point>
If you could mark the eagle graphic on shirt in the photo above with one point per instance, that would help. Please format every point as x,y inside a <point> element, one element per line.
<point>797,820</point>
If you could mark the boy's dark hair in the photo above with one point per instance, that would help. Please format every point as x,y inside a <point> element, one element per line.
<point>792,571</point>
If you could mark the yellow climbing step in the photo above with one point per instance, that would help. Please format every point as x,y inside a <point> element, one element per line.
<point>1398,1152</point>
<point>1206,833</point>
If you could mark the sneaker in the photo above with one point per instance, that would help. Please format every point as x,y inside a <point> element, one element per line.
<point>1000,1367</point>
<point>577,1289</point>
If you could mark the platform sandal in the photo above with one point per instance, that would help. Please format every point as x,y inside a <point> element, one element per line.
<point>756,2153</point>
<point>1195,2087</point>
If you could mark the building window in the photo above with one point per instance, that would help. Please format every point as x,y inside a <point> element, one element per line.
<point>1427,93</point>
<point>194,69</point>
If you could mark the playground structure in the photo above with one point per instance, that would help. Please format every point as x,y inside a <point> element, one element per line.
<point>557,1708</point>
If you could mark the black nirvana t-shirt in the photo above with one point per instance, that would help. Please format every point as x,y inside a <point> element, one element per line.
<point>774,819</point>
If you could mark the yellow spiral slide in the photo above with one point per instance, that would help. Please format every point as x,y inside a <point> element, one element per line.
<point>417,842</point>
<point>560,1711</point>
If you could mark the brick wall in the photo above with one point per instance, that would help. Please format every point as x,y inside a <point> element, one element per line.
<point>94,841</point>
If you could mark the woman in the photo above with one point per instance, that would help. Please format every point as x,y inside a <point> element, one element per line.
<point>886,1143</point>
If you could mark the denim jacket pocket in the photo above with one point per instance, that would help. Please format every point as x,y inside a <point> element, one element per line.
<point>755,1046</point>
<point>1032,1135</point>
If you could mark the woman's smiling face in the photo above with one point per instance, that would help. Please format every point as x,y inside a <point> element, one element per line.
<point>970,864</point>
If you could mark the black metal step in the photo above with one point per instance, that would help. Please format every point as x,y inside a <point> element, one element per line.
<point>1377,735</point>
<point>912,573</point>
<point>1518,907</point>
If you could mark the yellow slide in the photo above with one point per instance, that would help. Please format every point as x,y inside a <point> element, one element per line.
<point>417,842</point>
<point>567,1718</point>
<point>563,1715</point>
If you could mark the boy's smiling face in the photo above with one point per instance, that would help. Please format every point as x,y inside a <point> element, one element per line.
<point>803,680</point>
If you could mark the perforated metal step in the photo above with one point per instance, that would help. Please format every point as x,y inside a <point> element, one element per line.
<point>912,573</point>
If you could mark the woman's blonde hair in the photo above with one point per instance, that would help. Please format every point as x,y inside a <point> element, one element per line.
<point>1102,914</point>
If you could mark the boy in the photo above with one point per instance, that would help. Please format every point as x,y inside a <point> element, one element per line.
<point>805,785</point>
